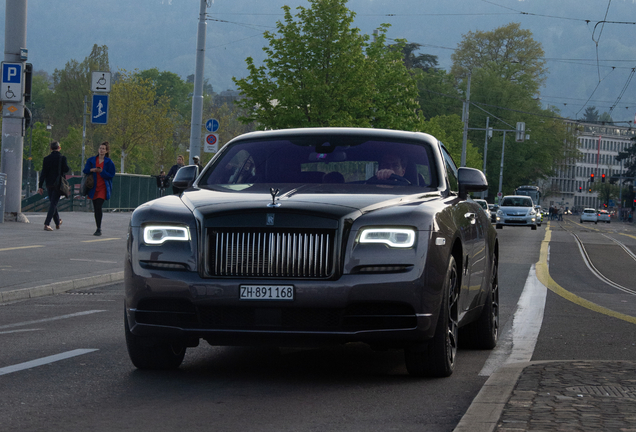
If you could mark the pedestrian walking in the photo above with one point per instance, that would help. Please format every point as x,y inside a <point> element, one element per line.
<point>173,172</point>
<point>561,213</point>
<point>103,170</point>
<point>53,168</point>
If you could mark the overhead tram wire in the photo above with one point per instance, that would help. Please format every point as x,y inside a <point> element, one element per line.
<point>620,96</point>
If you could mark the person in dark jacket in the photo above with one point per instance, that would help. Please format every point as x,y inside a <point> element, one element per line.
<point>103,170</point>
<point>53,167</point>
<point>173,172</point>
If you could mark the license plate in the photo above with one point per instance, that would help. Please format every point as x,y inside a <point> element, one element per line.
<point>267,292</point>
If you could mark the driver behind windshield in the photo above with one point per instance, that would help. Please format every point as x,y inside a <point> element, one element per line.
<point>391,164</point>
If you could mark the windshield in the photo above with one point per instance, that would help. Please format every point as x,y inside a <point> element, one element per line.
<point>323,160</point>
<point>516,202</point>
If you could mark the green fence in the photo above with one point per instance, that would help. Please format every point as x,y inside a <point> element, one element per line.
<point>129,192</point>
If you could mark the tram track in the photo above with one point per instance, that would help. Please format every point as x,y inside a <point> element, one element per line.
<point>590,265</point>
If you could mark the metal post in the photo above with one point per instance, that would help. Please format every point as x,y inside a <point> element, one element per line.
<point>466,110</point>
<point>84,132</point>
<point>197,98</point>
<point>13,112</point>
<point>484,194</point>
<point>503,146</point>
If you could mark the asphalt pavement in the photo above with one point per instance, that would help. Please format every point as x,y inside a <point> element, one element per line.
<point>534,396</point>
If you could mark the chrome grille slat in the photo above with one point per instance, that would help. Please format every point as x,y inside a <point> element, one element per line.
<point>275,253</point>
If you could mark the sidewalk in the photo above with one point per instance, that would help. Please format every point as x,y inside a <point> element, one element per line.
<point>34,262</point>
<point>556,396</point>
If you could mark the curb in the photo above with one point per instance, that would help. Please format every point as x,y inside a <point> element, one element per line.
<point>60,287</point>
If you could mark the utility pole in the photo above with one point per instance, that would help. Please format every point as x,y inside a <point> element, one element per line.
<point>465,120</point>
<point>84,132</point>
<point>15,52</point>
<point>197,99</point>
<point>484,194</point>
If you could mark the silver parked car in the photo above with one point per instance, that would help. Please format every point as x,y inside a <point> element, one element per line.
<point>517,210</point>
<point>484,205</point>
<point>589,215</point>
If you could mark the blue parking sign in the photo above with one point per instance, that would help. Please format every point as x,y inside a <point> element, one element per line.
<point>99,111</point>
<point>11,87</point>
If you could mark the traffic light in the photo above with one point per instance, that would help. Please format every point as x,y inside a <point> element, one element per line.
<point>592,178</point>
<point>590,190</point>
<point>580,189</point>
<point>602,178</point>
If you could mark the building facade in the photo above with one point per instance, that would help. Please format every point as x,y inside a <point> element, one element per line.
<point>598,146</point>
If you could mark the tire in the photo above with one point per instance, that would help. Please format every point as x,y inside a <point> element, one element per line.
<point>595,222</point>
<point>499,226</point>
<point>437,357</point>
<point>153,356</point>
<point>533,227</point>
<point>484,333</point>
<point>581,221</point>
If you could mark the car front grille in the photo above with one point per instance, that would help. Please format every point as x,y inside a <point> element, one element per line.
<point>275,253</point>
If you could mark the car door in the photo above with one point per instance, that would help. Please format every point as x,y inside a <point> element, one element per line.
<point>468,218</point>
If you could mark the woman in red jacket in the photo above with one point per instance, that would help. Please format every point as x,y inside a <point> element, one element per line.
<point>103,170</point>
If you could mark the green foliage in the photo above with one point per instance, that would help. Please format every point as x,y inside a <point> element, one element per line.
<point>509,50</point>
<point>449,129</point>
<point>140,125</point>
<point>438,94</point>
<point>320,71</point>
<point>71,85</point>
<point>170,85</point>
<point>39,145</point>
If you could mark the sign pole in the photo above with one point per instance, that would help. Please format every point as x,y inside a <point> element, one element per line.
<point>13,109</point>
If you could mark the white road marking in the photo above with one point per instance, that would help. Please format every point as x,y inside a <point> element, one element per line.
<point>25,323</point>
<point>44,360</point>
<point>20,331</point>
<point>518,342</point>
<point>90,260</point>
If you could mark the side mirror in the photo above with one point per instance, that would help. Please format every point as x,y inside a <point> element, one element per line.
<point>471,180</point>
<point>185,176</point>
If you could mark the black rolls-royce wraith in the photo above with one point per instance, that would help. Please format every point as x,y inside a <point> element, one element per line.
<point>315,236</point>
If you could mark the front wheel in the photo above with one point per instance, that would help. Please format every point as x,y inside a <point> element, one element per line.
<point>484,333</point>
<point>499,226</point>
<point>533,227</point>
<point>437,357</point>
<point>145,354</point>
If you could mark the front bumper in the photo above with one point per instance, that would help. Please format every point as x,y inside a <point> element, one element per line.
<point>385,309</point>
<point>509,220</point>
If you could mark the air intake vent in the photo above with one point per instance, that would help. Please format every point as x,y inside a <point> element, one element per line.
<point>280,253</point>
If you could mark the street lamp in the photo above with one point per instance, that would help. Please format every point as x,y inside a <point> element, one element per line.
<point>49,126</point>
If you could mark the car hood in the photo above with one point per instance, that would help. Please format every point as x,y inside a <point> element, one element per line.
<point>514,209</point>
<point>336,200</point>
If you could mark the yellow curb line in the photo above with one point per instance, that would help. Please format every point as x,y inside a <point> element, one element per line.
<point>101,240</point>
<point>543,274</point>
<point>21,247</point>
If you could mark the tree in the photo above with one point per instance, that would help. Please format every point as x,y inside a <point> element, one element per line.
<point>506,71</point>
<point>629,158</point>
<point>320,71</point>
<point>424,62</point>
<point>71,84</point>
<point>449,130</point>
<point>590,115</point>
<point>438,94</point>
<point>509,50</point>
<point>170,85</point>
<point>140,125</point>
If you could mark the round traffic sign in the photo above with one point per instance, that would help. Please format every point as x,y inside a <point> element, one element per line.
<point>210,139</point>
<point>212,125</point>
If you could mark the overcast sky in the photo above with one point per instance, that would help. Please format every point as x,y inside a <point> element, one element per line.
<point>589,62</point>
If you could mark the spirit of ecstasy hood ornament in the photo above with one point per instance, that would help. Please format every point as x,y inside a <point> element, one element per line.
<point>274,193</point>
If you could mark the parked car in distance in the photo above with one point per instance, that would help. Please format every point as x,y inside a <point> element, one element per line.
<point>317,236</point>
<point>516,210</point>
<point>589,215</point>
<point>484,205</point>
<point>603,216</point>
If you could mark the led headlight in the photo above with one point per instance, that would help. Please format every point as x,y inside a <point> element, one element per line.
<point>393,237</point>
<point>158,234</point>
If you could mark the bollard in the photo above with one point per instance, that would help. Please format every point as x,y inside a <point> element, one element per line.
<point>3,192</point>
